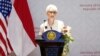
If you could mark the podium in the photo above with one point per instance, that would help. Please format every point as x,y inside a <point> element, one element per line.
<point>51,43</point>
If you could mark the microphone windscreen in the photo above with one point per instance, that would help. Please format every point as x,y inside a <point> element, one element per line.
<point>45,27</point>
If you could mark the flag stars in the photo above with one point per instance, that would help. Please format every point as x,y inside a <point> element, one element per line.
<point>4,15</point>
<point>2,11</point>
<point>2,7</point>
<point>9,9</point>
<point>2,3</point>
<point>5,7</point>
<point>5,4</point>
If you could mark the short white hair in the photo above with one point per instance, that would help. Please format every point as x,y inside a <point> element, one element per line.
<point>51,7</point>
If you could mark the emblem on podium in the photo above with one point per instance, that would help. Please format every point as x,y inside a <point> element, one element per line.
<point>51,35</point>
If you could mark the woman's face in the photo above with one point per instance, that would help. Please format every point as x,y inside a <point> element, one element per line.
<point>51,14</point>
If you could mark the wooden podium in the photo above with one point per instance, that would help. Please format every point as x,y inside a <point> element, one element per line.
<point>51,44</point>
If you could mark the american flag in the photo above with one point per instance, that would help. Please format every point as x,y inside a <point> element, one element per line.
<point>16,28</point>
<point>5,9</point>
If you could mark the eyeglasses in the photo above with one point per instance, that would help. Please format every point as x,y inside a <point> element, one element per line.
<point>54,12</point>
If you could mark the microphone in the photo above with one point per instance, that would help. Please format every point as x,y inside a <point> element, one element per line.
<point>44,25</point>
<point>44,20</point>
<point>51,28</point>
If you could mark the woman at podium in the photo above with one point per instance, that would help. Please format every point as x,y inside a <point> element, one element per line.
<point>53,24</point>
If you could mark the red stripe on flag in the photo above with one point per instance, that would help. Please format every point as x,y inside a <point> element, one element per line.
<point>3,40</point>
<point>3,27</point>
<point>6,22</point>
<point>9,44</point>
<point>23,12</point>
<point>2,52</point>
